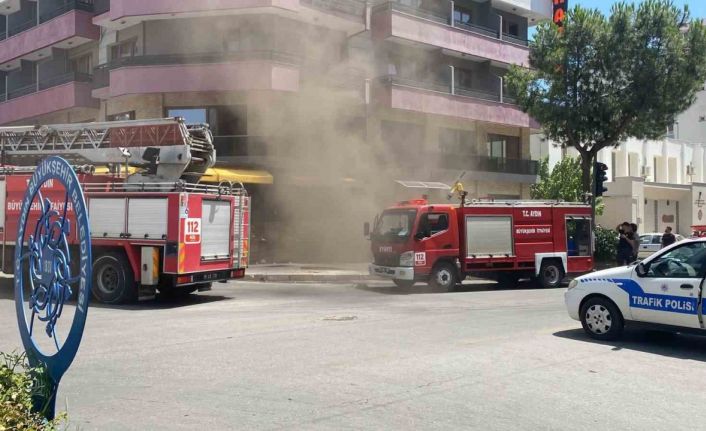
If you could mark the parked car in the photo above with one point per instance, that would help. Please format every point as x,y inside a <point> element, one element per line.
<point>652,242</point>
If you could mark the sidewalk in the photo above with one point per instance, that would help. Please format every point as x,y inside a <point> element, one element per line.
<point>308,272</point>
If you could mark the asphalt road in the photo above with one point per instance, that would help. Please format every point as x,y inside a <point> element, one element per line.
<point>284,357</point>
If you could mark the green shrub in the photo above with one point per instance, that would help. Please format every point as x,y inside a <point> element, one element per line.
<point>19,383</point>
<point>606,244</point>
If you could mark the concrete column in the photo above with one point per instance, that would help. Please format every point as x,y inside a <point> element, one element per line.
<point>621,163</point>
<point>697,162</point>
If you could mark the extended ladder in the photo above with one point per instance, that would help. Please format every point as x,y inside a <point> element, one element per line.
<point>167,148</point>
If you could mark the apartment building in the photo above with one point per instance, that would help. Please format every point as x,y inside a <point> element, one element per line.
<point>655,183</point>
<point>317,105</point>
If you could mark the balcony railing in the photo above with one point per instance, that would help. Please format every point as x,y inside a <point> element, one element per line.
<point>450,88</point>
<point>23,26</point>
<point>47,83</point>
<point>68,6</point>
<point>490,164</point>
<point>444,16</point>
<point>102,72</point>
<point>101,6</point>
<point>515,39</point>
<point>348,7</point>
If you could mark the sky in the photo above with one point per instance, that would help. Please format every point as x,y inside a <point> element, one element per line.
<point>696,7</point>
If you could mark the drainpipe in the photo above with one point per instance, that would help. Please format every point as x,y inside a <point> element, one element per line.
<point>368,15</point>
<point>453,80</point>
<point>453,9</point>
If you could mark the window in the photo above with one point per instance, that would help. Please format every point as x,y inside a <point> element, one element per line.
<point>462,15</point>
<point>578,237</point>
<point>123,116</point>
<point>463,78</point>
<point>504,147</point>
<point>432,223</point>
<point>224,120</point>
<point>457,142</point>
<point>670,131</point>
<point>513,29</point>
<point>123,49</point>
<point>190,115</point>
<point>686,261</point>
<point>82,64</point>
<point>395,225</point>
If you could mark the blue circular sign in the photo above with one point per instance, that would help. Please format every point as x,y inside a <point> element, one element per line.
<point>47,276</point>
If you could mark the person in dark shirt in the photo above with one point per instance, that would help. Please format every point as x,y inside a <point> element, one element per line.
<point>626,250</point>
<point>668,238</point>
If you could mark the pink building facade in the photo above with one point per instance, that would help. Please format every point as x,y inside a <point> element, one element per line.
<point>414,88</point>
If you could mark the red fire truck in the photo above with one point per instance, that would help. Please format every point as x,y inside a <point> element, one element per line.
<point>151,229</point>
<point>502,240</point>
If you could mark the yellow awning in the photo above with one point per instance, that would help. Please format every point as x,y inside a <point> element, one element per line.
<point>245,176</point>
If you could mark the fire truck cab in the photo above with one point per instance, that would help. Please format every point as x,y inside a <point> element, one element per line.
<point>503,240</point>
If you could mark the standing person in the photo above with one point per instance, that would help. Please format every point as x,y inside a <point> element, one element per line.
<point>635,241</point>
<point>625,247</point>
<point>668,238</point>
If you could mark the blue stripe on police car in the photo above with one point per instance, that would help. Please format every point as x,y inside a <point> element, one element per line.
<point>650,301</point>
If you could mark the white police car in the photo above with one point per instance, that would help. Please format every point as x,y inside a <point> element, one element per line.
<point>665,290</point>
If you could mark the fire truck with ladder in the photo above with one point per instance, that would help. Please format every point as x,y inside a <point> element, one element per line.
<point>154,227</point>
<point>416,241</point>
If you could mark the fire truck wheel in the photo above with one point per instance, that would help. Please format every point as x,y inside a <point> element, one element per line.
<point>113,280</point>
<point>404,284</point>
<point>551,274</point>
<point>443,277</point>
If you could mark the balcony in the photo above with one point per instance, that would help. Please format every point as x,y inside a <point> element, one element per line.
<point>242,71</point>
<point>394,21</point>
<point>66,91</point>
<point>488,105</point>
<point>65,27</point>
<point>124,13</point>
<point>490,164</point>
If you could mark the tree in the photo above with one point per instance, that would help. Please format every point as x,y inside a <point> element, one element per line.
<point>602,80</point>
<point>563,183</point>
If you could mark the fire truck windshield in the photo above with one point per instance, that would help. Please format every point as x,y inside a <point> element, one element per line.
<point>395,225</point>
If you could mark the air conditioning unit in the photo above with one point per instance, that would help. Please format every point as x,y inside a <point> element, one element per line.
<point>646,171</point>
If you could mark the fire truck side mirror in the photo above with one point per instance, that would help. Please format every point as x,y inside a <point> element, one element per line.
<point>420,236</point>
<point>366,229</point>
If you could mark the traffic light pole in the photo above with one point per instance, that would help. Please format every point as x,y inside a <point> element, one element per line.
<point>599,178</point>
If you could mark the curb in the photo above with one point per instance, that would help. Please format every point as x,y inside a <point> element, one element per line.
<point>320,278</point>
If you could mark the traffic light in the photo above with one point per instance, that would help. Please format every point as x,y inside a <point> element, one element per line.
<point>600,176</point>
